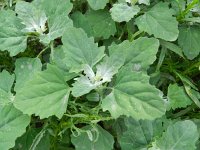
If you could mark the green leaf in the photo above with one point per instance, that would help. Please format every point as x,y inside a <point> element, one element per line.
<point>33,18</point>
<point>105,72</point>
<point>101,23</point>
<point>86,141</point>
<point>159,22</point>
<point>58,20</point>
<point>177,97</point>
<point>25,68</point>
<point>139,134</point>
<point>12,38</point>
<point>141,52</point>
<point>146,2</point>
<point>5,88</point>
<point>47,91</point>
<point>179,136</point>
<point>122,12</point>
<point>97,4</point>
<point>6,81</point>
<point>189,41</point>
<point>133,96</point>
<point>173,47</point>
<point>80,50</point>
<point>12,125</point>
<point>80,21</point>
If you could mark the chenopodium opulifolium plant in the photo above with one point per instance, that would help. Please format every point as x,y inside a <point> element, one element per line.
<point>106,78</point>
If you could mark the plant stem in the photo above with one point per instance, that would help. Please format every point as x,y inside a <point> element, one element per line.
<point>135,34</point>
<point>42,51</point>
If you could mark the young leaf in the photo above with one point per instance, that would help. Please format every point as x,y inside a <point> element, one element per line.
<point>189,41</point>
<point>33,18</point>
<point>105,72</point>
<point>133,96</point>
<point>25,68</point>
<point>97,4</point>
<point>58,20</point>
<point>12,125</point>
<point>146,2</point>
<point>159,22</point>
<point>141,52</point>
<point>12,38</point>
<point>104,141</point>
<point>80,50</point>
<point>122,12</point>
<point>46,91</point>
<point>179,136</point>
<point>177,97</point>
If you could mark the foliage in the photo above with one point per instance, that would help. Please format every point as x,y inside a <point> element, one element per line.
<point>99,74</point>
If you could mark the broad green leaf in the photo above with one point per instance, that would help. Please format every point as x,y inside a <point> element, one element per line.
<point>33,18</point>
<point>139,134</point>
<point>122,12</point>
<point>80,50</point>
<point>101,23</point>
<point>26,140</point>
<point>47,91</point>
<point>177,97</point>
<point>189,41</point>
<point>25,68</point>
<point>92,141</point>
<point>133,96</point>
<point>58,20</point>
<point>97,4</point>
<point>179,136</point>
<point>146,2</point>
<point>141,52</point>
<point>12,125</point>
<point>52,7</point>
<point>80,21</point>
<point>159,22</point>
<point>6,82</point>
<point>12,38</point>
<point>105,72</point>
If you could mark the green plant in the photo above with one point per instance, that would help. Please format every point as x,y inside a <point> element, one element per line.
<point>100,74</point>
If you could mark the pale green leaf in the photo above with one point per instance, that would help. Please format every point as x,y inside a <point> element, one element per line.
<point>47,91</point>
<point>104,141</point>
<point>12,38</point>
<point>97,4</point>
<point>105,72</point>
<point>101,23</point>
<point>122,12</point>
<point>177,97</point>
<point>58,20</point>
<point>6,82</point>
<point>179,136</point>
<point>141,52</point>
<point>12,125</point>
<point>139,134</point>
<point>146,2</point>
<point>33,18</point>
<point>133,96</point>
<point>189,41</point>
<point>80,50</point>
<point>80,21</point>
<point>25,68</point>
<point>159,22</point>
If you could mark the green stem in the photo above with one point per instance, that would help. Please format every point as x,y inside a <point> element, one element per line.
<point>135,34</point>
<point>42,51</point>
<point>52,50</point>
<point>196,65</point>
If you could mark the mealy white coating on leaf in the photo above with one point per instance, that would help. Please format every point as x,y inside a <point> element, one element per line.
<point>122,12</point>
<point>146,2</point>
<point>33,18</point>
